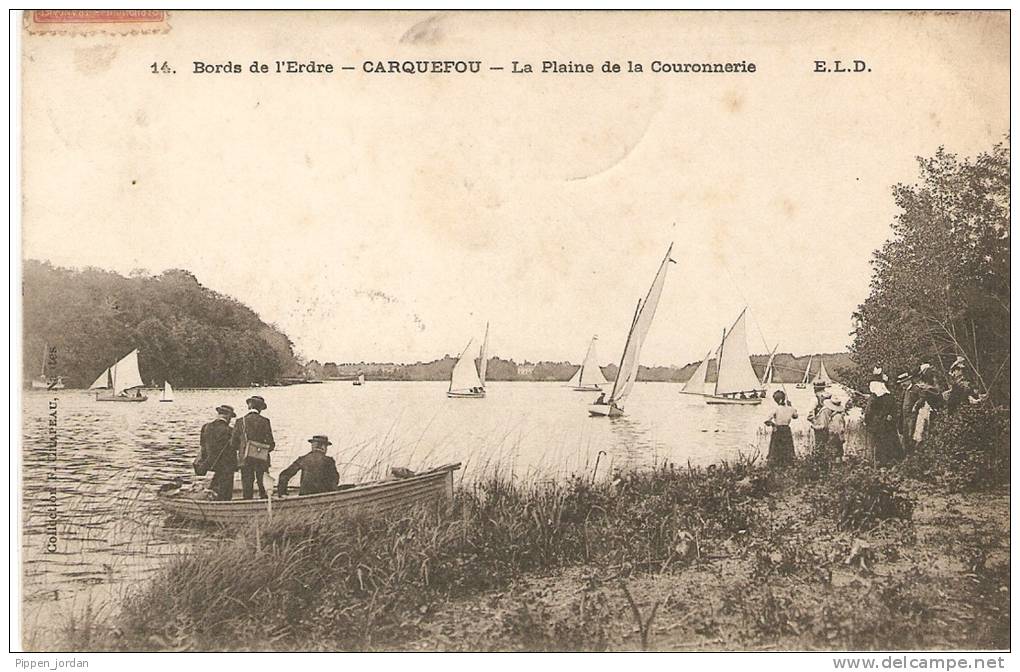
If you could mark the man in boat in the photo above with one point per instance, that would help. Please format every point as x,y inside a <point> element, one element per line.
<point>216,454</point>
<point>601,401</point>
<point>318,470</point>
<point>253,427</point>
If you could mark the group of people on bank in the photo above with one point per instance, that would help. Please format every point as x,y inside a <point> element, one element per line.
<point>897,419</point>
<point>896,415</point>
<point>246,446</point>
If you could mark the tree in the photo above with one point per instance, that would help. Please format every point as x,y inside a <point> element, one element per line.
<point>940,284</point>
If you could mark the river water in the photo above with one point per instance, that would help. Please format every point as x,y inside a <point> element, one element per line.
<point>90,470</point>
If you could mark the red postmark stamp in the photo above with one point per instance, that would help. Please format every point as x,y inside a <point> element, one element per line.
<point>92,21</point>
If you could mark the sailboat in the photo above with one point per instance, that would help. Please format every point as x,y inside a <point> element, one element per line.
<point>589,377</point>
<point>822,380</point>
<point>360,380</point>
<point>168,392</point>
<point>466,382</point>
<point>42,382</point>
<point>736,381</point>
<point>699,380</point>
<point>626,374</point>
<point>122,381</point>
<point>807,374</point>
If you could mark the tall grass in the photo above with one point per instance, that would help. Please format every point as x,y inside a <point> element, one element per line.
<point>342,583</point>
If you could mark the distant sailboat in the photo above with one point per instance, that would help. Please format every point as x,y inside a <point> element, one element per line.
<point>360,380</point>
<point>168,391</point>
<point>697,383</point>
<point>122,381</point>
<point>822,379</point>
<point>626,375</point>
<point>42,381</point>
<point>466,382</point>
<point>807,374</point>
<point>589,377</point>
<point>736,381</point>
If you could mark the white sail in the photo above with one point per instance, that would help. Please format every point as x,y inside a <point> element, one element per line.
<point>483,355</point>
<point>629,363</point>
<point>168,391</point>
<point>807,371</point>
<point>823,376</point>
<point>735,371</point>
<point>590,374</point>
<point>102,382</point>
<point>696,383</point>
<point>464,376</point>
<point>766,377</point>
<point>126,374</point>
<point>361,378</point>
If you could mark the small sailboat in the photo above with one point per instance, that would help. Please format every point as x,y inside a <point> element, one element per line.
<point>626,374</point>
<point>42,381</point>
<point>697,383</point>
<point>821,380</point>
<point>589,377</point>
<point>807,374</point>
<point>360,380</point>
<point>121,382</point>
<point>168,392</point>
<point>466,382</point>
<point>736,382</point>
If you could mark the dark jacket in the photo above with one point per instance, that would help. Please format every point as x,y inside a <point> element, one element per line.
<point>318,474</point>
<point>256,428</point>
<point>216,452</point>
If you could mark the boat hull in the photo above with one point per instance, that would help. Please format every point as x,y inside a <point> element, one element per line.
<point>368,499</point>
<point>118,397</point>
<point>587,388</point>
<point>727,401</point>
<point>465,395</point>
<point>605,411</point>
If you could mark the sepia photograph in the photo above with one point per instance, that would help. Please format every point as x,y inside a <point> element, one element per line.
<point>512,331</point>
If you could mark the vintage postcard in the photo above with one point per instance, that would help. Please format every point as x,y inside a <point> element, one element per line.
<point>515,331</point>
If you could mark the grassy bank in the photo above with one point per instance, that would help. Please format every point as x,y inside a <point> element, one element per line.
<point>730,557</point>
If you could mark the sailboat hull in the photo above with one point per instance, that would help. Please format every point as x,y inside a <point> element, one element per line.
<point>120,397</point>
<point>587,388</point>
<point>732,402</point>
<point>605,411</point>
<point>465,395</point>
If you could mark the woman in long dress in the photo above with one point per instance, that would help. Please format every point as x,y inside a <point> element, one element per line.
<point>880,420</point>
<point>781,445</point>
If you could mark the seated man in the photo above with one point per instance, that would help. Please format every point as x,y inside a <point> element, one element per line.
<point>318,470</point>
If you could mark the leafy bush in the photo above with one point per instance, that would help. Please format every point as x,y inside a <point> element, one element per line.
<point>965,451</point>
<point>859,498</point>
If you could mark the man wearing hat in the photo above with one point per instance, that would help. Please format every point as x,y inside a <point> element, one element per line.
<point>253,427</point>
<point>318,470</point>
<point>216,455</point>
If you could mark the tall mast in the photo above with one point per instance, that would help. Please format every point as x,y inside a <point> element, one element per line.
<point>616,383</point>
<point>718,367</point>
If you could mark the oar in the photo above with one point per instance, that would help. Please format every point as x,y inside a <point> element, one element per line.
<point>269,493</point>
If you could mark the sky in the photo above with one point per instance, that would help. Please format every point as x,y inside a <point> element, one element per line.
<point>388,217</point>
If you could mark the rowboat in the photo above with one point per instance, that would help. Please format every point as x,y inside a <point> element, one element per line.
<point>374,498</point>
